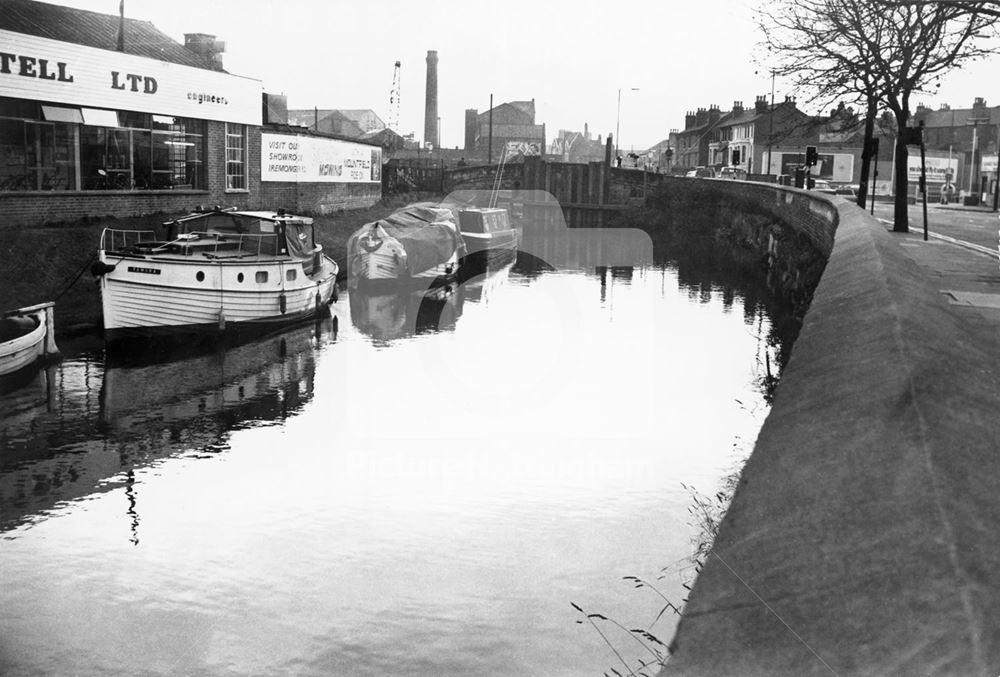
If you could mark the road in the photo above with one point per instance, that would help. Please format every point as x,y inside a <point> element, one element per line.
<point>979,226</point>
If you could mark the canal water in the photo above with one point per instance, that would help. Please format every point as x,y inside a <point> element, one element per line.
<point>411,487</point>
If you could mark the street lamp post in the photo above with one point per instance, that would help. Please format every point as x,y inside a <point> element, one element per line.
<point>618,122</point>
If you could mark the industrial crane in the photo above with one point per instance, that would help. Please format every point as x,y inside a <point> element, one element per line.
<point>394,101</point>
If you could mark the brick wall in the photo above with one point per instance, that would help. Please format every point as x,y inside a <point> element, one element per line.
<point>318,198</point>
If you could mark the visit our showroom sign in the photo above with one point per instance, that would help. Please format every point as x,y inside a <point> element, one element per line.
<point>300,159</point>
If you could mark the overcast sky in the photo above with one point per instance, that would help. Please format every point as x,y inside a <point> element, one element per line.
<point>572,58</point>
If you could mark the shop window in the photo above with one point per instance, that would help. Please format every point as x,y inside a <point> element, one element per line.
<point>36,155</point>
<point>166,154</point>
<point>49,147</point>
<point>236,162</point>
<point>105,158</point>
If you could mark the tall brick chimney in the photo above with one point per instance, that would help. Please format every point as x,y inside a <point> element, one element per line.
<point>701,117</point>
<point>760,105</point>
<point>471,128</point>
<point>689,120</point>
<point>431,106</point>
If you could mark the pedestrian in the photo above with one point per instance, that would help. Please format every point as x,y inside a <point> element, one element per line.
<point>947,190</point>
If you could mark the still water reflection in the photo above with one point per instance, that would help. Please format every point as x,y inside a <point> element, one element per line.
<point>419,487</point>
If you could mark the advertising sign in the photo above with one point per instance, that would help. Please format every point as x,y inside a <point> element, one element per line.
<point>49,70</point>
<point>989,163</point>
<point>523,148</point>
<point>310,159</point>
<point>830,166</point>
<point>938,168</point>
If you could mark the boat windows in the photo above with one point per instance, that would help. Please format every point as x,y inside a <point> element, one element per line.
<point>290,275</point>
<point>200,276</point>
<point>260,276</point>
<point>239,278</point>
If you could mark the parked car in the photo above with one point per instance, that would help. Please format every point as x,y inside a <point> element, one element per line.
<point>702,173</point>
<point>733,173</point>
<point>822,186</point>
<point>847,191</point>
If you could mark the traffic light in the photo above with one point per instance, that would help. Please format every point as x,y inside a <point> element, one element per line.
<point>812,157</point>
<point>912,136</point>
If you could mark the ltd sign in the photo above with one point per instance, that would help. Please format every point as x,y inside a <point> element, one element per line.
<point>48,70</point>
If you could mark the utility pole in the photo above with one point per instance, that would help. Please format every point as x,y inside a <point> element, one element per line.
<point>489,150</point>
<point>996,175</point>
<point>923,175</point>
<point>770,133</point>
<point>618,122</point>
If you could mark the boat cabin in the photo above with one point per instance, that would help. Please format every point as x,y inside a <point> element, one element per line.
<point>483,221</point>
<point>223,233</point>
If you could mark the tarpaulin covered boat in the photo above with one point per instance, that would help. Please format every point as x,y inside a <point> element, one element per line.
<point>419,244</point>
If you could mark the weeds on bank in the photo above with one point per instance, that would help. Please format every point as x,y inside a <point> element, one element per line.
<point>706,513</point>
<point>650,644</point>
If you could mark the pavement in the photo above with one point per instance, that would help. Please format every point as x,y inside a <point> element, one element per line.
<point>961,255</point>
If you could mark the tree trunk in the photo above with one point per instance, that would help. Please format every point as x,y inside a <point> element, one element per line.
<point>866,154</point>
<point>900,219</point>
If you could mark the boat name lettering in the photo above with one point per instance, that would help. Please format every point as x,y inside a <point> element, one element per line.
<point>148,271</point>
<point>33,67</point>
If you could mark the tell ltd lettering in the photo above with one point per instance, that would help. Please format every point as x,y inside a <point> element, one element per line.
<point>31,67</point>
<point>148,83</point>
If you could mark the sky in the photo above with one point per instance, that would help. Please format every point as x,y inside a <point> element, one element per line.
<point>665,57</point>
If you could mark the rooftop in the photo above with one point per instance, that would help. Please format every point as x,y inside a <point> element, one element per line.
<point>93,29</point>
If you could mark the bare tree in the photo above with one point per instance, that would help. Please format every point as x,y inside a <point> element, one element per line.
<point>986,7</point>
<point>877,52</point>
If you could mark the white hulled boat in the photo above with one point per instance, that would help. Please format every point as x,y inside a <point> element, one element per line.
<point>216,269</point>
<point>27,335</point>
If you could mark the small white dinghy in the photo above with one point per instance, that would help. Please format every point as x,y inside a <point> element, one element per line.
<point>27,335</point>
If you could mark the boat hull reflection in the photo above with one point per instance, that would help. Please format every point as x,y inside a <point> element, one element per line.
<point>389,316</point>
<point>80,429</point>
<point>395,315</point>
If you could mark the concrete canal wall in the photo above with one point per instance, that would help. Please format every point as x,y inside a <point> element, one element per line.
<point>862,538</point>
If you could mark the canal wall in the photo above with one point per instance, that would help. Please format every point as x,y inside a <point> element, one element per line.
<point>861,538</point>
